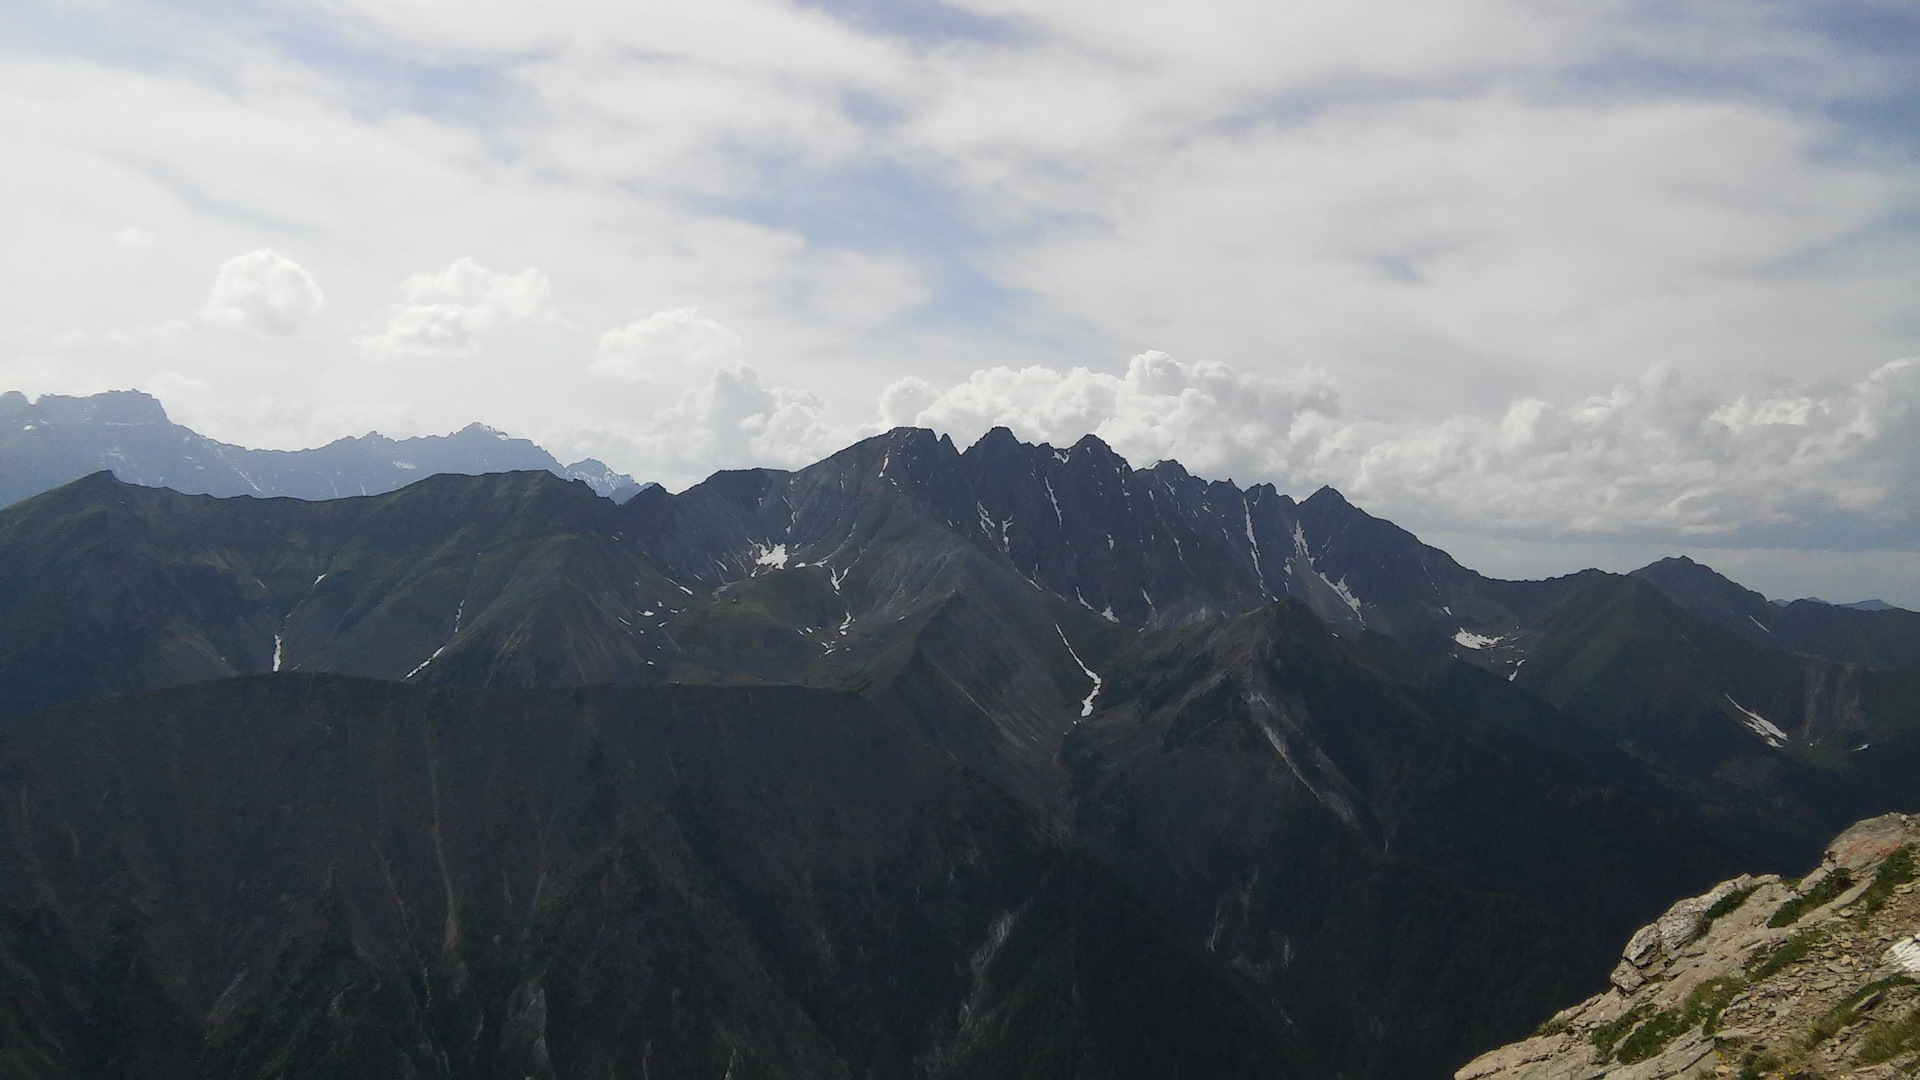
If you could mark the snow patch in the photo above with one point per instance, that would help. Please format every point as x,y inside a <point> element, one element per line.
<point>1246,509</point>
<point>1086,705</point>
<point>1332,800</point>
<point>1340,589</point>
<point>318,580</point>
<point>836,576</point>
<point>428,660</point>
<point>276,652</point>
<point>457,613</point>
<point>684,589</point>
<point>1107,614</point>
<point>1760,725</point>
<point>775,556</point>
<point>1515,673</point>
<point>1761,625</point>
<point>1475,641</point>
<point>647,613</point>
<point>1056,502</point>
<point>1906,953</point>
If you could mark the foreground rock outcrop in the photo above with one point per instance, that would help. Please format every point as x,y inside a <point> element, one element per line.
<point>1759,977</point>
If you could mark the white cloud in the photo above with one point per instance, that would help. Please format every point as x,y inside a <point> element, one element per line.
<point>731,420</point>
<point>133,237</point>
<point>675,336</point>
<point>1215,419</point>
<point>175,389</point>
<point>1656,457</point>
<point>446,314</point>
<point>262,291</point>
<point>1448,252</point>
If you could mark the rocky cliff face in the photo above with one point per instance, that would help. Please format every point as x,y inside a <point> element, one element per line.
<point>1759,977</point>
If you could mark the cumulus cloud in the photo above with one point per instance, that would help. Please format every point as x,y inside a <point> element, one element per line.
<point>665,338</point>
<point>1655,457</point>
<point>1214,418</point>
<point>734,420</point>
<point>262,291</point>
<point>446,314</point>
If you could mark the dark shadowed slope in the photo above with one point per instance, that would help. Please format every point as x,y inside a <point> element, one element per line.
<point>312,875</point>
<point>1373,853</point>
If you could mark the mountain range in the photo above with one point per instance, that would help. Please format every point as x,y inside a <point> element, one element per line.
<point>56,439</point>
<point>913,762</point>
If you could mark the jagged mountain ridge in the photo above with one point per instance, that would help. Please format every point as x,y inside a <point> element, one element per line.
<point>1028,562</point>
<point>57,439</point>
<point>948,642</point>
<point>905,571</point>
<point>1707,711</point>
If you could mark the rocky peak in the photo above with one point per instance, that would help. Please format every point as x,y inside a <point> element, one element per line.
<point>114,407</point>
<point>1758,977</point>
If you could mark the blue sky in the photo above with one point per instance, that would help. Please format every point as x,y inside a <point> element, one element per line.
<point>1553,281</point>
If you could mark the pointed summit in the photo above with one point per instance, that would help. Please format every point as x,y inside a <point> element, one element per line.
<point>1327,496</point>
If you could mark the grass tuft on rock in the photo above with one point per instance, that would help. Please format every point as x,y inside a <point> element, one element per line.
<point>1729,904</point>
<point>1828,1024</point>
<point>1794,910</point>
<point>1792,950</point>
<point>1890,1038</point>
<point>1893,873</point>
<point>1701,1009</point>
<point>1608,1035</point>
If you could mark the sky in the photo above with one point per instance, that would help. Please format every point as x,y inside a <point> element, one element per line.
<point>1555,285</point>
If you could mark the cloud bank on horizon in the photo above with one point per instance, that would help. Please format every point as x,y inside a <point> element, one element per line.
<point>1625,272</point>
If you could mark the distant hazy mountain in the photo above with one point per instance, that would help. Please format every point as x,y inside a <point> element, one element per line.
<point>1871,632</point>
<point>1875,604</point>
<point>56,439</point>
